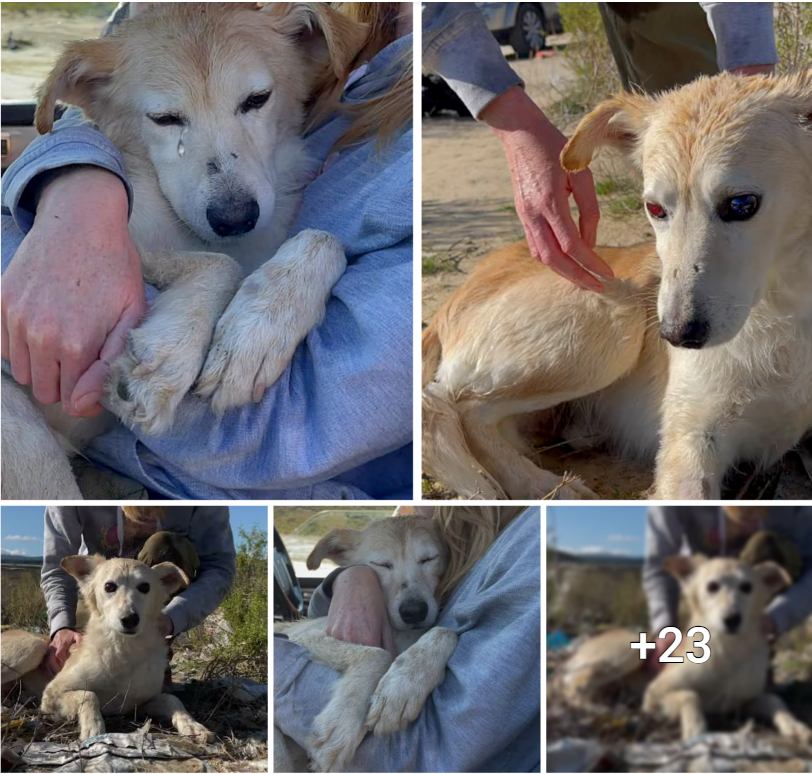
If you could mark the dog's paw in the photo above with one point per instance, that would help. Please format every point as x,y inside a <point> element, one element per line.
<point>195,731</point>
<point>334,739</point>
<point>791,728</point>
<point>570,488</point>
<point>91,727</point>
<point>395,703</point>
<point>154,373</point>
<point>271,314</point>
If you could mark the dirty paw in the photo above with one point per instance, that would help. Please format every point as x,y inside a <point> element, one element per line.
<point>334,741</point>
<point>395,703</point>
<point>196,731</point>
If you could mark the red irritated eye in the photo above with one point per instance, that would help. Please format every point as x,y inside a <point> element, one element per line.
<point>656,210</point>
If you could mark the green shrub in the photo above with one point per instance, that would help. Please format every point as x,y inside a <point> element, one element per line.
<point>793,36</point>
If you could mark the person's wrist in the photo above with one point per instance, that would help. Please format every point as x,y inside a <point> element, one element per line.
<point>513,111</point>
<point>82,191</point>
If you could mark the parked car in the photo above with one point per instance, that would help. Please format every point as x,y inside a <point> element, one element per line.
<point>524,26</point>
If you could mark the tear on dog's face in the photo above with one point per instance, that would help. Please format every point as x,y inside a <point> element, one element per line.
<point>213,95</point>
<point>726,596</point>
<point>408,556</point>
<point>126,594</point>
<point>722,161</point>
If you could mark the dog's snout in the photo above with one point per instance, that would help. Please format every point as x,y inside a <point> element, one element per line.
<point>692,334</point>
<point>130,621</point>
<point>233,217</point>
<point>413,611</point>
<point>733,622</point>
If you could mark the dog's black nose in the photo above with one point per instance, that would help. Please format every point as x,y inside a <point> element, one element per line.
<point>413,611</point>
<point>232,218</point>
<point>130,621</point>
<point>733,622</point>
<point>692,335</point>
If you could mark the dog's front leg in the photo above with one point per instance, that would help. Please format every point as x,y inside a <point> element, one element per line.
<point>167,707</point>
<point>771,708</point>
<point>682,705</point>
<point>165,353</point>
<point>76,705</point>
<point>415,673</point>
<point>272,312</point>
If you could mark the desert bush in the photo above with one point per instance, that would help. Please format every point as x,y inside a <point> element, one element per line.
<point>23,603</point>
<point>793,36</point>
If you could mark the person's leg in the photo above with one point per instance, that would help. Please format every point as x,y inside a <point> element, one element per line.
<point>659,46</point>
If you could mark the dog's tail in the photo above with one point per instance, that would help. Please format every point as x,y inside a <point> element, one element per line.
<point>446,452</point>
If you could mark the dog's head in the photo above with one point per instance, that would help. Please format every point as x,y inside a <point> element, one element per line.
<point>726,164</point>
<point>213,96</point>
<point>726,596</point>
<point>407,554</point>
<point>125,594</point>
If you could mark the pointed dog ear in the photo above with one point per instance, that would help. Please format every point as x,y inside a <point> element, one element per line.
<point>81,567</point>
<point>326,34</point>
<point>79,78</point>
<point>171,576</point>
<point>618,122</point>
<point>681,566</point>
<point>773,576</point>
<point>336,545</point>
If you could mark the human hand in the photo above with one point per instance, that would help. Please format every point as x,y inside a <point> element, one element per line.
<point>59,649</point>
<point>165,625</point>
<point>357,612</point>
<point>662,644</point>
<point>767,69</point>
<point>542,189</point>
<point>73,291</point>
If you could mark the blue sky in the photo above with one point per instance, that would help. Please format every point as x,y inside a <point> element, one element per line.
<point>598,529</point>
<point>21,526</point>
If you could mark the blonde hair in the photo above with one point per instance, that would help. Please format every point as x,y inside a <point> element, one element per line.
<point>469,531</point>
<point>382,116</point>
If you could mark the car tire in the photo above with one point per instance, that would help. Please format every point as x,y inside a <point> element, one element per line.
<point>527,36</point>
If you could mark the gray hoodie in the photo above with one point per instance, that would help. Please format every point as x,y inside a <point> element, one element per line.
<point>94,529</point>
<point>699,529</point>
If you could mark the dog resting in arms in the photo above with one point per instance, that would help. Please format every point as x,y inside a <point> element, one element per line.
<point>698,356</point>
<point>725,596</point>
<point>375,693</point>
<point>119,665</point>
<point>208,103</point>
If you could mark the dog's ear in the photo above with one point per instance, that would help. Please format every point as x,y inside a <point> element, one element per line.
<point>681,566</point>
<point>171,576</point>
<point>81,567</point>
<point>326,34</point>
<point>618,122</point>
<point>336,545</point>
<point>79,77</point>
<point>773,576</point>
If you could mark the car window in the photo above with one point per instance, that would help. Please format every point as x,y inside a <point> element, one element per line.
<point>33,36</point>
<point>301,527</point>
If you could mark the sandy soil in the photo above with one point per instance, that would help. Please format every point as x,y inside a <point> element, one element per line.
<point>468,211</point>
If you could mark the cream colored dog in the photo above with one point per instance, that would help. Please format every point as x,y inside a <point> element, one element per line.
<point>725,596</point>
<point>119,665</point>
<point>208,103</point>
<point>699,353</point>
<point>374,692</point>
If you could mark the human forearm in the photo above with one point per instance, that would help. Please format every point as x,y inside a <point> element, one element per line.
<point>661,589</point>
<point>794,606</point>
<point>62,536</point>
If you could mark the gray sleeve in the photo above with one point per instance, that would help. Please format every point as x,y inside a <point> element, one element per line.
<point>791,608</point>
<point>62,537</point>
<point>744,33</point>
<point>320,601</point>
<point>458,46</point>
<point>663,538</point>
<point>211,536</point>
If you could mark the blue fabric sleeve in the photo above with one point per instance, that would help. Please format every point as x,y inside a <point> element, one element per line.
<point>496,612</point>
<point>744,33</point>
<point>458,46</point>
<point>73,141</point>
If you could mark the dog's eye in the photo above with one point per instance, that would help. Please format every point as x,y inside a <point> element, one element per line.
<point>387,565</point>
<point>166,119</point>
<point>428,559</point>
<point>255,101</point>
<point>713,587</point>
<point>746,587</point>
<point>739,207</point>
<point>143,588</point>
<point>656,210</point>
<point>110,587</point>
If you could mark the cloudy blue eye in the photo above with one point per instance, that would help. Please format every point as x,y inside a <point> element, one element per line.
<point>739,207</point>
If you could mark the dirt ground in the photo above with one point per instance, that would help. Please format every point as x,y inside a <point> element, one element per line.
<point>468,211</point>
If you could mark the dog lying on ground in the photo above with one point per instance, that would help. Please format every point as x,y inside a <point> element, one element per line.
<point>375,693</point>
<point>208,103</point>
<point>698,355</point>
<point>119,665</point>
<point>725,596</point>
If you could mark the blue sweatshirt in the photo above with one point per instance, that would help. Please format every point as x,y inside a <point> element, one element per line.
<point>338,423</point>
<point>485,715</point>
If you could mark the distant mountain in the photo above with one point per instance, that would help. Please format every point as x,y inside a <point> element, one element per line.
<point>567,556</point>
<point>11,559</point>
